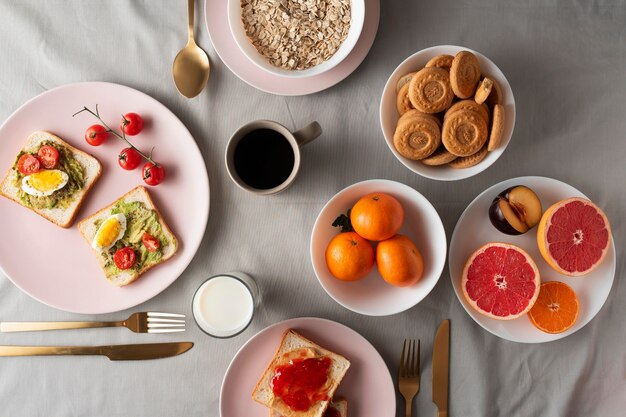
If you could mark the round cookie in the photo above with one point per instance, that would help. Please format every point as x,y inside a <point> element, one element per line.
<point>405,79</point>
<point>430,90</point>
<point>413,113</point>
<point>469,105</point>
<point>497,127</point>
<point>403,104</point>
<point>464,74</point>
<point>417,138</point>
<point>483,90</point>
<point>440,157</point>
<point>464,132</point>
<point>469,161</point>
<point>440,61</point>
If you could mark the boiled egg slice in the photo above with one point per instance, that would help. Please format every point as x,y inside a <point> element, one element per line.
<point>111,230</point>
<point>44,183</point>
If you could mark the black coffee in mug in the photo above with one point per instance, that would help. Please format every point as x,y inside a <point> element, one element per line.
<point>264,159</point>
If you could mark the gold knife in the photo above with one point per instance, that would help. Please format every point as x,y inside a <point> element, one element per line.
<point>441,361</point>
<point>113,352</point>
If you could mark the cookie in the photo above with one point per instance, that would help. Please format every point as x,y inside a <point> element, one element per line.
<point>440,61</point>
<point>495,97</point>
<point>464,132</point>
<point>469,105</point>
<point>405,79</point>
<point>430,90</point>
<point>413,113</point>
<point>497,127</point>
<point>417,138</point>
<point>464,74</point>
<point>469,161</point>
<point>440,157</point>
<point>483,90</point>
<point>403,104</point>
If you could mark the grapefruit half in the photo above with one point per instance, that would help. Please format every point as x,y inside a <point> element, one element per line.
<point>573,236</point>
<point>501,281</point>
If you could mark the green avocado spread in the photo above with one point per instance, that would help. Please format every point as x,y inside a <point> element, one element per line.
<point>60,198</point>
<point>139,220</point>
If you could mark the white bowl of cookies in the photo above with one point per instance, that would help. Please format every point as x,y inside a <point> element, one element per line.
<point>299,38</point>
<point>447,112</point>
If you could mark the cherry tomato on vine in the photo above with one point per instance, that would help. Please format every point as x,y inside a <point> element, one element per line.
<point>153,174</point>
<point>48,156</point>
<point>132,124</point>
<point>124,258</point>
<point>28,164</point>
<point>96,135</point>
<point>129,158</point>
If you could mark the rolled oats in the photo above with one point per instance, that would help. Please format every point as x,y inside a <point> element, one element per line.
<point>296,34</point>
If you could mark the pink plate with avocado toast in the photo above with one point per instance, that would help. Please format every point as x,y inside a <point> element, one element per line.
<point>56,265</point>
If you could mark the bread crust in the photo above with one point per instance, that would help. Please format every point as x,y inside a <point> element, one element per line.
<point>101,261</point>
<point>83,193</point>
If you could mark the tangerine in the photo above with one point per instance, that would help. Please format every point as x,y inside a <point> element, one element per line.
<point>349,257</point>
<point>377,216</point>
<point>399,261</point>
<point>556,308</point>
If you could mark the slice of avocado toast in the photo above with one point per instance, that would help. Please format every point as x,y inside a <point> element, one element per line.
<point>129,237</point>
<point>60,206</point>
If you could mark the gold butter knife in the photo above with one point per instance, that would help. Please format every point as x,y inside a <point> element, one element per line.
<point>441,361</point>
<point>113,352</point>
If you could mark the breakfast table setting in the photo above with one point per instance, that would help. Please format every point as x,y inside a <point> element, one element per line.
<point>319,208</point>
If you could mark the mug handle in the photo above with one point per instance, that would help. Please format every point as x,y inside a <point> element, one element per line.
<point>308,133</point>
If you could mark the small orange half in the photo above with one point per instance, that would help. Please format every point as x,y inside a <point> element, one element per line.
<point>556,308</point>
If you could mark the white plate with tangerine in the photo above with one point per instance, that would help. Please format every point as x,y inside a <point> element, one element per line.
<point>475,229</point>
<point>372,295</point>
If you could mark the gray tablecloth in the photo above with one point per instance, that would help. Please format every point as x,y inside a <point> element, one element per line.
<point>566,62</point>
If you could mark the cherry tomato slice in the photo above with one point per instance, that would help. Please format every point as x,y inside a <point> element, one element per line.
<point>96,135</point>
<point>129,158</point>
<point>28,164</point>
<point>132,124</point>
<point>48,156</point>
<point>153,174</point>
<point>124,258</point>
<point>150,242</point>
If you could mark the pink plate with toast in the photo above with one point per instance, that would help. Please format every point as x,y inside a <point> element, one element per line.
<point>56,266</point>
<point>367,386</point>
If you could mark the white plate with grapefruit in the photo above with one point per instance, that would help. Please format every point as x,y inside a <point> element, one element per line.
<point>474,229</point>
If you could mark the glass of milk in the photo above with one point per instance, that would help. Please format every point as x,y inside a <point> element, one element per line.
<point>224,304</point>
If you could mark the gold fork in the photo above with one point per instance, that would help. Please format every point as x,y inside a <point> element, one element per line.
<point>409,373</point>
<point>146,322</point>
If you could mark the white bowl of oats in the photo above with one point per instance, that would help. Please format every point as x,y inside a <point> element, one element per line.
<point>296,38</point>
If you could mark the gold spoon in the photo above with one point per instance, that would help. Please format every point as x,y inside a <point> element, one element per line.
<point>191,65</point>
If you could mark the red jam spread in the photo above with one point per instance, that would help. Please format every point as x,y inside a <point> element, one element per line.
<point>331,412</point>
<point>301,382</point>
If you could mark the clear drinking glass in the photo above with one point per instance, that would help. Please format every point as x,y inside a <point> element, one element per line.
<point>224,305</point>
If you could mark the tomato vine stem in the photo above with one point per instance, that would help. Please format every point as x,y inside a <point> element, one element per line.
<point>96,114</point>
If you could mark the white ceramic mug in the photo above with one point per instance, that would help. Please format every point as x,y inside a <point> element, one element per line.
<point>296,140</point>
